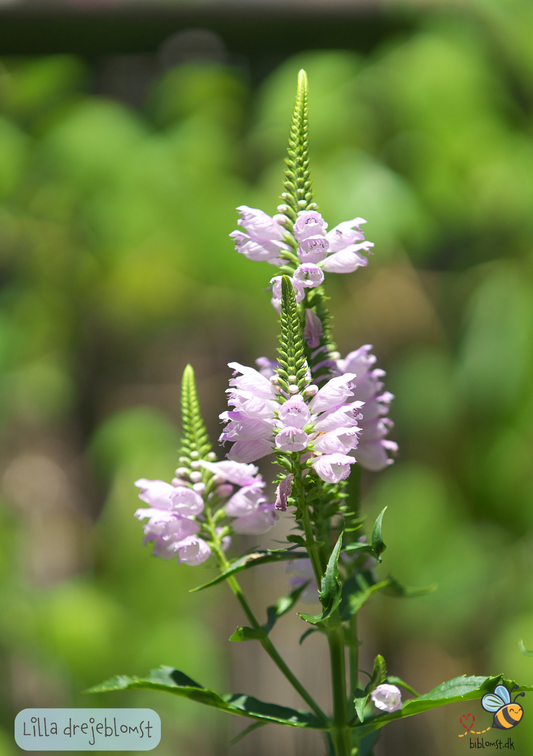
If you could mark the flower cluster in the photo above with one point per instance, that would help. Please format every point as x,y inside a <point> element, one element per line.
<point>373,448</point>
<point>317,250</point>
<point>247,504</point>
<point>174,517</point>
<point>320,421</point>
<point>171,521</point>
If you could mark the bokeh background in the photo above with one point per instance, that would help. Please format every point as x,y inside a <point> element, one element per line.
<point>119,177</point>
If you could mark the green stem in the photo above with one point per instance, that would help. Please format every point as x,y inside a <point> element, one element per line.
<point>341,733</point>
<point>268,645</point>
<point>354,656</point>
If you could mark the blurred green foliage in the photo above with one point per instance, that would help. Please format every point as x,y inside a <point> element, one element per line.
<point>116,270</point>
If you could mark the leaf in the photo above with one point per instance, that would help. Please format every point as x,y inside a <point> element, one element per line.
<point>393,680</point>
<point>252,727</point>
<point>395,589</point>
<point>379,675</point>
<point>377,538</point>
<point>459,689</point>
<point>358,592</point>
<point>172,681</point>
<point>308,633</point>
<point>247,634</point>
<point>331,592</point>
<point>282,606</point>
<point>363,548</point>
<point>251,560</point>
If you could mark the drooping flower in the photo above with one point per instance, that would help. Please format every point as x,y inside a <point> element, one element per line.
<point>263,237</point>
<point>373,449</point>
<point>387,697</point>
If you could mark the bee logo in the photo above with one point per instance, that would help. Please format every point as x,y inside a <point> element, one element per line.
<point>507,713</point>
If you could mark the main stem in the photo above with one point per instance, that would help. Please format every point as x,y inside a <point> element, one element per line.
<point>341,734</point>
<point>269,646</point>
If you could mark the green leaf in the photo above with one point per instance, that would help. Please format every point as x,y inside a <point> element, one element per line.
<point>252,727</point>
<point>172,681</point>
<point>363,548</point>
<point>282,606</point>
<point>331,591</point>
<point>378,545</point>
<point>379,675</point>
<point>251,560</point>
<point>356,591</point>
<point>247,634</point>
<point>459,689</point>
<point>307,634</point>
<point>195,438</point>
<point>395,589</point>
<point>393,680</point>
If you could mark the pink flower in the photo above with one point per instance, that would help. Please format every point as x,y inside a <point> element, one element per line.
<point>332,467</point>
<point>192,551</point>
<point>373,448</point>
<point>259,521</point>
<point>313,329</point>
<point>387,697</point>
<point>263,237</point>
<point>313,249</point>
<point>309,275</point>
<point>309,223</point>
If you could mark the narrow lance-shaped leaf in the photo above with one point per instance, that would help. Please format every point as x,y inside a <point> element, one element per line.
<point>331,592</point>
<point>281,607</point>
<point>172,681</point>
<point>377,538</point>
<point>252,560</point>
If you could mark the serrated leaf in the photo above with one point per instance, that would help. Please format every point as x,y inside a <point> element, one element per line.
<point>263,556</point>
<point>172,681</point>
<point>356,592</point>
<point>331,591</point>
<point>242,734</point>
<point>378,544</point>
<point>459,689</point>
<point>248,634</point>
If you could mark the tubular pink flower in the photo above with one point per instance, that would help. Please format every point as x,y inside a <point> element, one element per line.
<point>332,467</point>
<point>345,234</point>
<point>349,259</point>
<point>233,472</point>
<point>246,500</point>
<point>373,448</point>
<point>336,391</point>
<point>339,441</point>
<point>156,493</point>
<point>313,249</point>
<point>250,451</point>
<point>387,697</point>
<point>313,329</point>
<point>309,275</point>
<point>259,521</point>
<point>294,413</point>
<point>292,439</point>
<point>192,551</point>
<point>263,238</point>
<point>186,501</point>
<point>309,223</point>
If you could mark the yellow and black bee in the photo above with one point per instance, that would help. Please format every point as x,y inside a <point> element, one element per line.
<point>507,713</point>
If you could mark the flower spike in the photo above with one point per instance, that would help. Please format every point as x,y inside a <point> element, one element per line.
<point>293,372</point>
<point>298,194</point>
<point>195,441</point>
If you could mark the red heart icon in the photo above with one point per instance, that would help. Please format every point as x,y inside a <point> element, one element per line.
<point>465,721</point>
